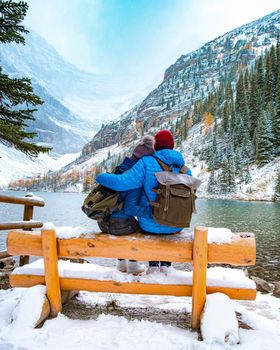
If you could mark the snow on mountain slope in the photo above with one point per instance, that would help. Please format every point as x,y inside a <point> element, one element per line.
<point>191,78</point>
<point>95,98</point>
<point>14,164</point>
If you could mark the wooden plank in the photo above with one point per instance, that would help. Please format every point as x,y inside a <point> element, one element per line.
<point>240,252</point>
<point>27,216</point>
<point>200,250</point>
<point>44,313</point>
<point>26,281</point>
<point>51,270</point>
<point>136,246</point>
<point>130,288</point>
<point>22,200</point>
<point>234,293</point>
<point>23,243</point>
<point>20,225</point>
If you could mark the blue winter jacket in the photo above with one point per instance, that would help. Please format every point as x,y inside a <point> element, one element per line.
<point>131,196</point>
<point>142,174</point>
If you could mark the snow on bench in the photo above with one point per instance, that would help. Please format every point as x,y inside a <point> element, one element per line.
<point>216,276</point>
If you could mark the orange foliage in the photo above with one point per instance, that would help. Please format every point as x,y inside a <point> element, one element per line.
<point>207,121</point>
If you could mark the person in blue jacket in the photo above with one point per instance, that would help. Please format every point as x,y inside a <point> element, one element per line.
<point>142,176</point>
<point>121,222</point>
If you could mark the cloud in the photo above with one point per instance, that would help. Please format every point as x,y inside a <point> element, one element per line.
<point>59,22</point>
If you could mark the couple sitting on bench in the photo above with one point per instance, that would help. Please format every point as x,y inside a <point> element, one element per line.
<point>150,189</point>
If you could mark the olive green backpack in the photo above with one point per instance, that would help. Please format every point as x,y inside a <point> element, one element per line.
<point>175,201</point>
<point>101,202</point>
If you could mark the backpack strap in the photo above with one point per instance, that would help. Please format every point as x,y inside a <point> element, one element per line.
<point>183,170</point>
<point>163,165</point>
<point>166,167</point>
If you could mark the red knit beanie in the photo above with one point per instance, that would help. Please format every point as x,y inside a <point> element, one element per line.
<point>164,140</point>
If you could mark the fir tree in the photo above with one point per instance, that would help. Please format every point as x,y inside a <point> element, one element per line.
<point>17,99</point>
<point>223,176</point>
<point>263,141</point>
<point>268,86</point>
<point>276,119</point>
<point>212,184</point>
<point>260,82</point>
<point>225,117</point>
<point>253,105</point>
<point>226,178</point>
<point>246,176</point>
<point>215,154</point>
<point>241,104</point>
<point>231,169</point>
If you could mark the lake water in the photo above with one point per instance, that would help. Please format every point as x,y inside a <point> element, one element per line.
<point>261,218</point>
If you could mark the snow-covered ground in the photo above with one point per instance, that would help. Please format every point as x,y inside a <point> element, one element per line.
<point>113,332</point>
<point>15,165</point>
<point>20,310</point>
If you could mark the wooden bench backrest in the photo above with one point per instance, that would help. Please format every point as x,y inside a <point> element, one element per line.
<point>240,252</point>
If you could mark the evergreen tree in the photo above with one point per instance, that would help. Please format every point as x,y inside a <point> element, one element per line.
<point>238,161</point>
<point>260,82</point>
<point>225,117</point>
<point>253,105</point>
<point>246,176</point>
<point>263,141</point>
<point>226,178</point>
<point>268,86</point>
<point>241,104</point>
<point>17,99</point>
<point>223,176</point>
<point>276,119</point>
<point>212,184</point>
<point>231,169</point>
<point>274,72</point>
<point>215,154</point>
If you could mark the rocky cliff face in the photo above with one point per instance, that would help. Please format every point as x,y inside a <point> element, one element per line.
<point>190,78</point>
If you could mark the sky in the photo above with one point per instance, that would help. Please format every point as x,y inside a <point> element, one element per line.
<point>134,41</point>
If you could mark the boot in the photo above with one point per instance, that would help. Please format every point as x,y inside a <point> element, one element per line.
<point>153,267</point>
<point>122,265</point>
<point>135,268</point>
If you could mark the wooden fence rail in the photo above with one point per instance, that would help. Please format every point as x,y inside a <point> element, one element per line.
<point>29,202</point>
<point>241,251</point>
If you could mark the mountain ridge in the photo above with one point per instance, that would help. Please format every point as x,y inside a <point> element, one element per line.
<point>151,112</point>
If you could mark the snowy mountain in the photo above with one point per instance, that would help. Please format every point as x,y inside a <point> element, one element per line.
<point>192,81</point>
<point>92,97</point>
<point>189,79</point>
<point>14,164</point>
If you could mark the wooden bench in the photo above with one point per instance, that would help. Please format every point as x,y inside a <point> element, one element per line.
<point>241,251</point>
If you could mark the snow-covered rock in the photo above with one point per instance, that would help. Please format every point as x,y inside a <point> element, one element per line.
<point>218,321</point>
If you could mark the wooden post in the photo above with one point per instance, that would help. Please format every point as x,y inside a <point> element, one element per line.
<point>27,216</point>
<point>200,252</point>
<point>49,246</point>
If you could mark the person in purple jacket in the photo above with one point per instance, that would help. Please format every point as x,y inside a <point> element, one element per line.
<point>142,176</point>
